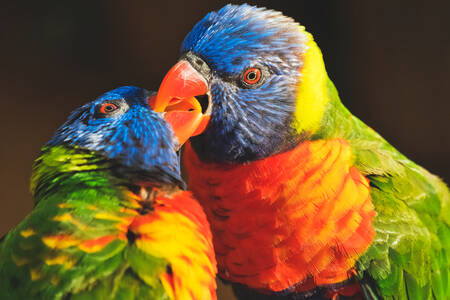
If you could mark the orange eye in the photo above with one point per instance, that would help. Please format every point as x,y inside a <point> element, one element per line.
<point>252,76</point>
<point>108,108</point>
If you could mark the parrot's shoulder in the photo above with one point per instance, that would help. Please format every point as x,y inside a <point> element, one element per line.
<point>409,255</point>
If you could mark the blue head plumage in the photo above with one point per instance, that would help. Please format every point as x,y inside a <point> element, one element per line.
<point>120,126</point>
<point>248,121</point>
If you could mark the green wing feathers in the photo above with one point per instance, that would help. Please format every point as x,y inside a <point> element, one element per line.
<point>77,249</point>
<point>74,241</point>
<point>410,256</point>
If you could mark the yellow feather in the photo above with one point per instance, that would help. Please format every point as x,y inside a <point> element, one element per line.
<point>67,260</point>
<point>35,274</point>
<point>312,96</point>
<point>57,242</point>
<point>27,232</point>
<point>175,238</point>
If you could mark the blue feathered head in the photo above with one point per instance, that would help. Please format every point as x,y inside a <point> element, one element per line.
<point>249,58</point>
<point>238,37</point>
<point>120,126</point>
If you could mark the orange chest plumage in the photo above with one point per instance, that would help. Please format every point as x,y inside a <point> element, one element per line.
<point>301,217</point>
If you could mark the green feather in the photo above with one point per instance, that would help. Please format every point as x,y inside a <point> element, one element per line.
<point>79,180</point>
<point>409,257</point>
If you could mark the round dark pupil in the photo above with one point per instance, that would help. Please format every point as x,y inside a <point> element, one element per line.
<point>109,107</point>
<point>251,75</point>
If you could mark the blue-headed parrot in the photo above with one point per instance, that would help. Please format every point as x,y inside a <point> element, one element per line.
<point>304,199</point>
<point>111,218</point>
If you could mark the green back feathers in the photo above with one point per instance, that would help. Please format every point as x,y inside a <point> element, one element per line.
<point>71,243</point>
<point>410,256</point>
<point>70,170</point>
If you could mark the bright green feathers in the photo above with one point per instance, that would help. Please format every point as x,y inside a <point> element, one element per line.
<point>410,255</point>
<point>72,242</point>
<point>409,258</point>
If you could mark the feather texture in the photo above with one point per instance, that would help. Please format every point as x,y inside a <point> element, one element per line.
<point>244,170</point>
<point>309,222</point>
<point>110,221</point>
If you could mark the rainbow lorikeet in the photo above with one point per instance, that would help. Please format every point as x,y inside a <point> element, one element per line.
<point>305,201</point>
<point>111,219</point>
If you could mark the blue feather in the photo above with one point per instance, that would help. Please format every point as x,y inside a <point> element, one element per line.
<point>248,123</point>
<point>137,138</point>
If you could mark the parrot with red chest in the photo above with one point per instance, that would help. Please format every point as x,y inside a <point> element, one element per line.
<point>305,201</point>
<point>112,219</point>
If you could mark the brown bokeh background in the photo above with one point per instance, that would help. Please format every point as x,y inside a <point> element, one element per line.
<point>390,61</point>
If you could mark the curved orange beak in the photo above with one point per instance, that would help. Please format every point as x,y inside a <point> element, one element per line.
<point>176,97</point>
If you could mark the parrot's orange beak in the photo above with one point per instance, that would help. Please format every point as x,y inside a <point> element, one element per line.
<point>176,97</point>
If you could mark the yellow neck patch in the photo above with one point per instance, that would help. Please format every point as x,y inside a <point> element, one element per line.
<point>312,96</point>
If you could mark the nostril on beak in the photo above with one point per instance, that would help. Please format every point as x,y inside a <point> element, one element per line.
<point>198,63</point>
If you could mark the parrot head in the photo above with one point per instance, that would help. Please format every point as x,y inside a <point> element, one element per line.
<point>249,69</point>
<point>121,126</point>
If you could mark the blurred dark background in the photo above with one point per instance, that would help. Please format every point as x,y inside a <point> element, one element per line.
<point>390,61</point>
